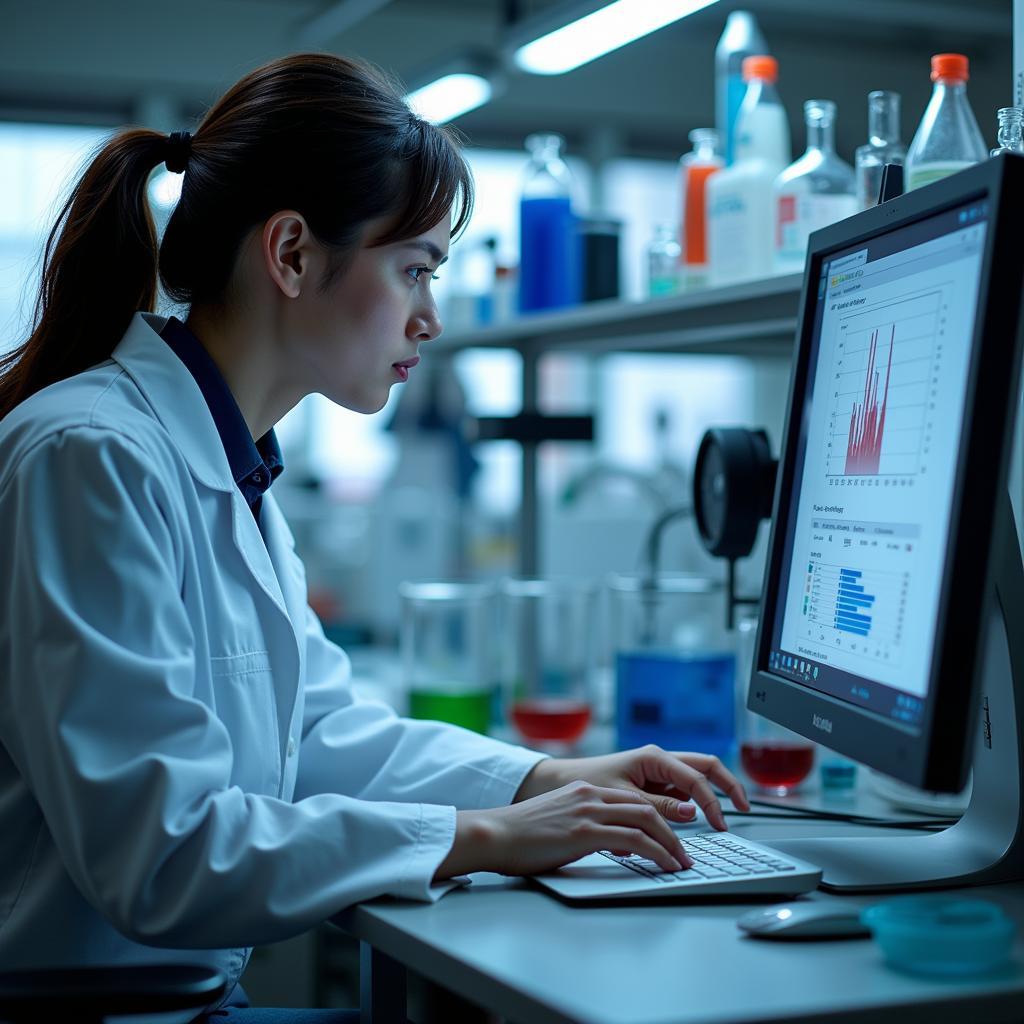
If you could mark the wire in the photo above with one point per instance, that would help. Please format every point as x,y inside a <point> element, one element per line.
<point>811,814</point>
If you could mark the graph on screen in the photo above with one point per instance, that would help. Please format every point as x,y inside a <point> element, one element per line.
<point>885,371</point>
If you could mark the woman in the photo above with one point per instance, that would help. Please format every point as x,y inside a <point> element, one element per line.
<point>184,772</point>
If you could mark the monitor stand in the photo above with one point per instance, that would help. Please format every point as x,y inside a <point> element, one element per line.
<point>987,844</point>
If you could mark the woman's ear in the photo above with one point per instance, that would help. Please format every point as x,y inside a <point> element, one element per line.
<point>286,253</point>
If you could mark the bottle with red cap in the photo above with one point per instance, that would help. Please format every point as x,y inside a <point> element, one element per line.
<point>948,138</point>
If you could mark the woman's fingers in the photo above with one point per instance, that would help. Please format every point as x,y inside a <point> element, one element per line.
<point>636,840</point>
<point>712,767</point>
<point>644,816</point>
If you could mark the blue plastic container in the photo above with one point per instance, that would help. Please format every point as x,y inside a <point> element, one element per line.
<point>941,934</point>
<point>679,700</point>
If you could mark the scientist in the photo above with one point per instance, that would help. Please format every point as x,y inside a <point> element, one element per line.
<point>184,771</point>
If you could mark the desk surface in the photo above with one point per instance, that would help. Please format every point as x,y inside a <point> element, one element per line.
<point>521,953</point>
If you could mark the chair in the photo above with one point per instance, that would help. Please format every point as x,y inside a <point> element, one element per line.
<point>88,995</point>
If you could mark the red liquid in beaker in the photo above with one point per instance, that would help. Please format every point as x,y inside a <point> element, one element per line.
<point>776,764</point>
<point>560,719</point>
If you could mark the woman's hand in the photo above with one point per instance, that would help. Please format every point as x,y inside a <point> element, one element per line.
<point>667,780</point>
<point>558,827</point>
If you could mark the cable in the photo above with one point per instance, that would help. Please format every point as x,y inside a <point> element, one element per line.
<point>924,824</point>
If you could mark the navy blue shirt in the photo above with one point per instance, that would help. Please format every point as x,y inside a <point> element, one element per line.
<point>254,465</point>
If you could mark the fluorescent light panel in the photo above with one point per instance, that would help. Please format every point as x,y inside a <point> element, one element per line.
<point>450,97</point>
<point>599,33</point>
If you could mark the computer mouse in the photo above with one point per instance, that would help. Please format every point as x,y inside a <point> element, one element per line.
<point>807,920</point>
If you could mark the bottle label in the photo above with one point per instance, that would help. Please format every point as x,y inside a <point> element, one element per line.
<point>796,216</point>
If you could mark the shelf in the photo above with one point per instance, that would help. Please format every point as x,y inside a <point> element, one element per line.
<point>756,318</point>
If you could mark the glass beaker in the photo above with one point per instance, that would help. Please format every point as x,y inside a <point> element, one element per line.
<point>548,658</point>
<point>772,757</point>
<point>446,640</point>
<point>674,666</point>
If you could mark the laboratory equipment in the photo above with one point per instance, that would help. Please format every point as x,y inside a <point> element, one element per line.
<point>805,919</point>
<point>947,140</point>
<point>697,166</point>
<point>663,262</point>
<point>816,190</point>
<point>674,667</point>
<point>549,243</point>
<point>883,146</point>
<point>548,648</point>
<point>1009,133</point>
<point>446,643</point>
<point>741,39</point>
<point>740,215</point>
<point>941,935</point>
<point>774,759</point>
<point>893,568</point>
<point>600,238</point>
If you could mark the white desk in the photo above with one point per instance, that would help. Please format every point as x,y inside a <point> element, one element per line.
<point>522,954</point>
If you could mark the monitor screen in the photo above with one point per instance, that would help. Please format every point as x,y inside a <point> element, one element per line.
<point>877,441</point>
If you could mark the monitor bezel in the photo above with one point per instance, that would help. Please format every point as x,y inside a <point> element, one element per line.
<point>938,756</point>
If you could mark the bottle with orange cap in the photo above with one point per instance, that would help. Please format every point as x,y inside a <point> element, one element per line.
<point>948,138</point>
<point>740,222</point>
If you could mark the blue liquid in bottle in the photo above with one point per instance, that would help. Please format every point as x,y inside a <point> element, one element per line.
<point>679,701</point>
<point>549,243</point>
<point>549,261</point>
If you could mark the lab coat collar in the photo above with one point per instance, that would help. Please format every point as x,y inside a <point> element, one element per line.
<point>175,398</point>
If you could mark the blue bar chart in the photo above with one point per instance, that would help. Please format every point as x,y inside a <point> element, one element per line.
<point>856,608</point>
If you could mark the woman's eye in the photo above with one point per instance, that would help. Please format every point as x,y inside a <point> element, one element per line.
<point>417,271</point>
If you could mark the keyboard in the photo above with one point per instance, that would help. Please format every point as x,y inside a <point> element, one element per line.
<point>723,864</point>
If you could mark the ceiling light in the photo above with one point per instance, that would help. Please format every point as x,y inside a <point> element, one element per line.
<point>450,96</point>
<point>600,32</point>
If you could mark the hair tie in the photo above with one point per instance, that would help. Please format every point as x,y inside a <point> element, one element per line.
<point>176,152</point>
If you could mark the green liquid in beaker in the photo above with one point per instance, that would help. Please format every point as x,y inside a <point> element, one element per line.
<point>469,708</point>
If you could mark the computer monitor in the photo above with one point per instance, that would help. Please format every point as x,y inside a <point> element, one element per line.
<point>893,553</point>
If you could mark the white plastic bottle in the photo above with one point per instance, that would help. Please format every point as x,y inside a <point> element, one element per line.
<point>947,139</point>
<point>741,39</point>
<point>740,222</point>
<point>816,190</point>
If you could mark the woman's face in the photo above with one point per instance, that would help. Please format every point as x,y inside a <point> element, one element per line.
<point>360,337</point>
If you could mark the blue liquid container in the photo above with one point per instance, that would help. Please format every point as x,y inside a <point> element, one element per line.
<point>741,38</point>
<point>679,700</point>
<point>549,272</point>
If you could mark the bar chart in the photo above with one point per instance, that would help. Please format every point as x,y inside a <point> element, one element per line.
<point>856,608</point>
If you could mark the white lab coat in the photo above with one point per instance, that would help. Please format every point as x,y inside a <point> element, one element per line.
<point>184,771</point>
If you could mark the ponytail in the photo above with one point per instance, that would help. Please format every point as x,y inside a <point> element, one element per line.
<point>327,136</point>
<point>99,267</point>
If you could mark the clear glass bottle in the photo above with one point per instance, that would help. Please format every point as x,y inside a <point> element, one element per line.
<point>663,259</point>
<point>1009,136</point>
<point>883,146</point>
<point>549,255</point>
<point>697,166</point>
<point>947,139</point>
<point>741,39</point>
<point>814,191</point>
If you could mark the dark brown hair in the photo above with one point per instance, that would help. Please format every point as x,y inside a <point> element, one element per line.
<point>327,136</point>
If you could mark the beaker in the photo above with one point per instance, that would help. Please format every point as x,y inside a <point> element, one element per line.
<point>772,757</point>
<point>548,658</point>
<point>446,641</point>
<point>674,665</point>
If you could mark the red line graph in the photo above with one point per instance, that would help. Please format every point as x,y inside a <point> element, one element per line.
<point>867,420</point>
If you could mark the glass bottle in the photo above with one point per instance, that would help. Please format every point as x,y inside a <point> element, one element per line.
<point>1009,137</point>
<point>697,167</point>
<point>549,258</point>
<point>883,146</point>
<point>663,262</point>
<point>741,39</point>
<point>947,139</point>
<point>816,190</point>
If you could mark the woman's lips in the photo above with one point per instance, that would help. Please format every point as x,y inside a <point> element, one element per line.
<point>403,368</point>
